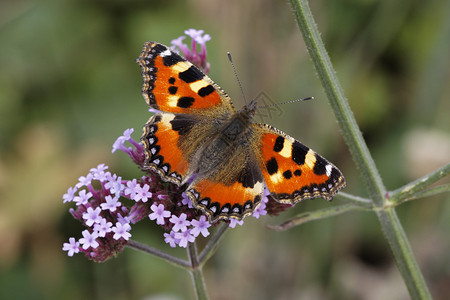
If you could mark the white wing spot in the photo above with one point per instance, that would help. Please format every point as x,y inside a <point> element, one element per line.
<point>166,53</point>
<point>328,169</point>
<point>197,85</point>
<point>310,159</point>
<point>286,151</point>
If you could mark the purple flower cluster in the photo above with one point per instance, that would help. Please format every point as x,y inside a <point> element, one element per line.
<point>106,219</point>
<point>195,56</point>
<point>108,206</point>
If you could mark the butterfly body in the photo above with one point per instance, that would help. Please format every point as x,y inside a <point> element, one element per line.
<point>227,136</point>
<point>225,159</point>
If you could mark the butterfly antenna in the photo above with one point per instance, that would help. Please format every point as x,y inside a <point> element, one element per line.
<point>237,77</point>
<point>287,102</point>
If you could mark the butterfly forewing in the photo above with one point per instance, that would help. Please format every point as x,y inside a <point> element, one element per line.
<point>173,84</point>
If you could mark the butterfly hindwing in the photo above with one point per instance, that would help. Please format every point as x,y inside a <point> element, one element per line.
<point>173,84</point>
<point>294,172</point>
<point>160,139</point>
<point>235,191</point>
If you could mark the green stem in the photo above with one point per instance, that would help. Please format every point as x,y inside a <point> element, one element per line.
<point>212,244</point>
<point>436,190</point>
<point>355,200</point>
<point>388,219</point>
<point>338,102</point>
<point>163,255</point>
<point>403,254</point>
<point>196,272</point>
<point>316,215</point>
<point>417,186</point>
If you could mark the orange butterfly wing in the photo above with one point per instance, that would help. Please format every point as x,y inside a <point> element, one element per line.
<point>294,172</point>
<point>234,192</point>
<point>173,84</point>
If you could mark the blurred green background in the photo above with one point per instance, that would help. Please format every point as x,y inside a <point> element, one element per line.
<point>69,85</point>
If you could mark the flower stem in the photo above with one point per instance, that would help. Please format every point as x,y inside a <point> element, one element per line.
<point>436,190</point>
<point>404,257</point>
<point>212,244</point>
<point>417,186</point>
<point>316,215</point>
<point>153,251</point>
<point>390,224</point>
<point>355,200</point>
<point>196,272</point>
<point>338,102</point>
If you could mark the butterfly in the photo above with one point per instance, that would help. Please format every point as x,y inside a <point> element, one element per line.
<point>198,140</point>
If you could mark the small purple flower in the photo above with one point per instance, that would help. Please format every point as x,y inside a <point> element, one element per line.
<point>123,220</point>
<point>84,181</point>
<point>186,201</point>
<point>203,39</point>
<point>130,189</point>
<point>260,210</point>
<point>111,203</point>
<point>127,134</point>
<point>234,222</point>
<point>159,213</point>
<point>162,197</point>
<point>170,239</point>
<point>99,168</point>
<point>154,111</point>
<point>194,33</point>
<point>119,144</point>
<point>178,42</point>
<point>180,223</point>
<point>92,216</point>
<point>192,54</point>
<point>71,247</point>
<point>103,227</point>
<point>114,184</point>
<point>89,239</point>
<point>142,193</point>
<point>200,226</point>
<point>82,198</point>
<point>99,173</point>
<point>69,196</point>
<point>266,194</point>
<point>184,237</point>
<point>121,231</point>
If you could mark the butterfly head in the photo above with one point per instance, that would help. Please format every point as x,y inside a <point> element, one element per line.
<point>249,110</point>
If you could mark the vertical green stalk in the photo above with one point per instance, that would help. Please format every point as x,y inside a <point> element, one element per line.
<point>338,101</point>
<point>390,224</point>
<point>403,255</point>
<point>197,272</point>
